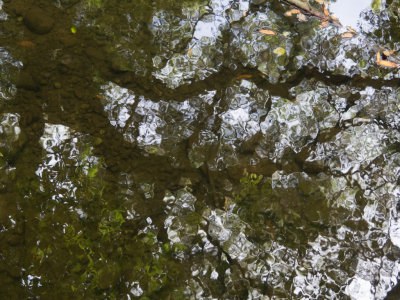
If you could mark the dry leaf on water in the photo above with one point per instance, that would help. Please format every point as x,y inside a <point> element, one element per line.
<point>351,29</point>
<point>244,76</point>
<point>297,12</point>
<point>388,53</point>
<point>190,52</point>
<point>267,32</point>
<point>26,44</point>
<point>292,12</point>
<point>385,63</point>
<point>347,35</point>
<point>324,23</point>
<point>302,17</point>
<point>326,12</point>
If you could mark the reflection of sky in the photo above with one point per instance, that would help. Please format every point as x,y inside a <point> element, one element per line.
<point>209,27</point>
<point>348,11</point>
<point>3,15</point>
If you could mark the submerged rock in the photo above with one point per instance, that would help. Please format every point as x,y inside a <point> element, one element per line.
<point>38,21</point>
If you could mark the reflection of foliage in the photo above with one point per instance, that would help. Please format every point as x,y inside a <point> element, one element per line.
<point>279,211</point>
<point>116,254</point>
<point>102,253</point>
<point>248,186</point>
<point>95,3</point>
<point>112,223</point>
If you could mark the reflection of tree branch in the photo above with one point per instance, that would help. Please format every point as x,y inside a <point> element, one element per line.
<point>306,7</point>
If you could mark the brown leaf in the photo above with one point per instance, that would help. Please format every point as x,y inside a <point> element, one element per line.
<point>27,44</point>
<point>267,32</point>
<point>347,35</point>
<point>388,53</point>
<point>351,29</point>
<point>388,64</point>
<point>324,23</point>
<point>292,12</point>
<point>244,76</point>
<point>302,17</point>
<point>385,63</point>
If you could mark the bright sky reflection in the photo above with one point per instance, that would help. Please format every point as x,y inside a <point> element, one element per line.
<point>348,11</point>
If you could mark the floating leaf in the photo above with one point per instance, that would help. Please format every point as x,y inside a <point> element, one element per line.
<point>385,63</point>
<point>26,44</point>
<point>190,52</point>
<point>388,64</point>
<point>244,76</point>
<point>267,32</point>
<point>73,29</point>
<point>389,53</point>
<point>326,12</point>
<point>302,17</point>
<point>279,51</point>
<point>324,23</point>
<point>347,35</point>
<point>351,30</point>
<point>292,12</point>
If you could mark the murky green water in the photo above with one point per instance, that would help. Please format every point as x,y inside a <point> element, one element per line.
<point>170,150</point>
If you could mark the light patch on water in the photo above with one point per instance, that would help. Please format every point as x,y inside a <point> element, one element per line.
<point>394,232</point>
<point>117,102</point>
<point>359,289</point>
<point>209,28</point>
<point>136,290</point>
<point>9,129</point>
<point>348,12</point>
<point>3,15</point>
<point>151,123</point>
<point>29,280</point>
<point>214,275</point>
<point>238,124</point>
<point>219,6</point>
<point>54,135</point>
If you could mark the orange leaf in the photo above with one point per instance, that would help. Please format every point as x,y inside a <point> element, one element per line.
<point>292,12</point>
<point>388,64</point>
<point>388,53</point>
<point>268,32</point>
<point>26,44</point>
<point>378,57</point>
<point>385,63</point>
<point>190,52</point>
<point>326,12</point>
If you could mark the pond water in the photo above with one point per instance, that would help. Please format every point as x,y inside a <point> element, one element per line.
<point>198,149</point>
<point>349,12</point>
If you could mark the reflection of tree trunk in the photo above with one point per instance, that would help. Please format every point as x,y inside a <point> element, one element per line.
<point>32,125</point>
<point>306,7</point>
